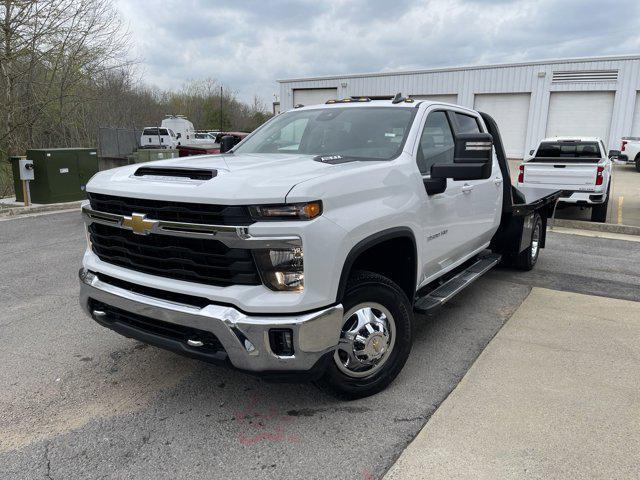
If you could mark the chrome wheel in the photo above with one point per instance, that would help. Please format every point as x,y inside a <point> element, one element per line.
<point>366,340</point>
<point>535,241</point>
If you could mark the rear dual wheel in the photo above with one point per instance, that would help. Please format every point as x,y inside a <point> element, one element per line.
<point>528,258</point>
<point>375,339</point>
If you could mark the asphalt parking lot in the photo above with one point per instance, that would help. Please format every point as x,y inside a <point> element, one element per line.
<point>79,401</point>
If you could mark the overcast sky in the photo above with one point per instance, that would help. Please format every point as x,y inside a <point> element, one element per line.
<point>249,44</point>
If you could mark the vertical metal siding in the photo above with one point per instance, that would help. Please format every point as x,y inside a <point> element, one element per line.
<point>508,79</point>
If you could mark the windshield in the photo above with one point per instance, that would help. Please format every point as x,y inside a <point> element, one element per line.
<point>365,132</point>
<point>155,131</point>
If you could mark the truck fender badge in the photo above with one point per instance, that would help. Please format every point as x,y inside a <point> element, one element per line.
<point>436,235</point>
<point>139,224</point>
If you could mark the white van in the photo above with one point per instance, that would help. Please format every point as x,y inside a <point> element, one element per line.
<point>182,127</point>
<point>158,137</point>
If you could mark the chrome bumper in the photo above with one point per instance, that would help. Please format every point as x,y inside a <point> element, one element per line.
<point>314,334</point>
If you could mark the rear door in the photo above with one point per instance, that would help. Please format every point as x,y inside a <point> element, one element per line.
<point>484,197</point>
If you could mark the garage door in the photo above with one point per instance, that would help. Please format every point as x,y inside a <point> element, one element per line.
<point>314,96</point>
<point>511,112</point>
<point>585,114</point>
<point>635,128</point>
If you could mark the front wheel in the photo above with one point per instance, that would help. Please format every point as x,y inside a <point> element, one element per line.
<point>375,339</point>
<point>638,163</point>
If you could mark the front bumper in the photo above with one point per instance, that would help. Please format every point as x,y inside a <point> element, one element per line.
<point>244,338</point>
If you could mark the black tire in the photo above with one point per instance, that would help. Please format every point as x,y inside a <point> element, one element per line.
<point>599,212</point>
<point>638,163</point>
<point>370,288</point>
<point>528,258</point>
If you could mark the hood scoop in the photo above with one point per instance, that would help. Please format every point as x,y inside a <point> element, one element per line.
<point>177,172</point>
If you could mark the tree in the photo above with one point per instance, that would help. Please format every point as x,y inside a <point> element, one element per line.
<point>49,50</point>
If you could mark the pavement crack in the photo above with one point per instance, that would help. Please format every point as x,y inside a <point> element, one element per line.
<point>47,461</point>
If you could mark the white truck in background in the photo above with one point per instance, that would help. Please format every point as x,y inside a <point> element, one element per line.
<point>579,166</point>
<point>183,128</point>
<point>158,137</point>
<point>629,151</point>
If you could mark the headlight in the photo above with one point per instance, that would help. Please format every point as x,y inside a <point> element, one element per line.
<point>281,269</point>
<point>293,211</point>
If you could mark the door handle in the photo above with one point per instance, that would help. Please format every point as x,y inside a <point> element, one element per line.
<point>466,188</point>
<point>497,181</point>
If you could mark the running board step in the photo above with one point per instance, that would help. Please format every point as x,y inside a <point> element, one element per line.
<point>454,285</point>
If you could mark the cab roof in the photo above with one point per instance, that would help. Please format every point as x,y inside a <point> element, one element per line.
<point>378,103</point>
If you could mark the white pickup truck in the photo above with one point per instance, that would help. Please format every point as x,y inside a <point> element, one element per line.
<point>303,251</point>
<point>158,137</point>
<point>580,167</point>
<point>629,151</point>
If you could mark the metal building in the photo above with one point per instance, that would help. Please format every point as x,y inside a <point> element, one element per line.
<point>530,101</point>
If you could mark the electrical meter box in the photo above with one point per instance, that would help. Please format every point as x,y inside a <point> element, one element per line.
<point>26,169</point>
<point>60,174</point>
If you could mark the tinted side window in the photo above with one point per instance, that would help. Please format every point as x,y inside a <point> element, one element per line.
<point>467,124</point>
<point>436,142</point>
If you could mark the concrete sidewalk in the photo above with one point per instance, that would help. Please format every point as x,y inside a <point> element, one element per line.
<point>556,394</point>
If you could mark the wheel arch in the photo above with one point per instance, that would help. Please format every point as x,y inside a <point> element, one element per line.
<point>358,258</point>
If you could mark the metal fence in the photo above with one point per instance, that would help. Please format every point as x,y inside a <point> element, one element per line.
<point>118,142</point>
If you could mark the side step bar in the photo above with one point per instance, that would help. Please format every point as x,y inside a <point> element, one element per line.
<point>454,285</point>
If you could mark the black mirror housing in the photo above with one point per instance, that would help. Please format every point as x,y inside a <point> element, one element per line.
<point>473,157</point>
<point>614,153</point>
<point>227,142</point>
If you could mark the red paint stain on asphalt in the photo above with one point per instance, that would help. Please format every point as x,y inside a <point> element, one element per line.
<point>367,475</point>
<point>264,424</point>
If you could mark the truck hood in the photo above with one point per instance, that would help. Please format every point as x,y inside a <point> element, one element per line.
<point>240,179</point>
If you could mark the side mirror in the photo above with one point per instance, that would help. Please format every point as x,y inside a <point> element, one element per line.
<point>178,135</point>
<point>472,158</point>
<point>227,143</point>
<point>531,152</point>
<point>614,153</point>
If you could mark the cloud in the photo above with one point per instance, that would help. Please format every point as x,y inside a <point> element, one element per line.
<point>248,45</point>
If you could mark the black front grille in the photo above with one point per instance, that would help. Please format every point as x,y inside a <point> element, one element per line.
<point>172,211</point>
<point>158,327</point>
<point>194,260</point>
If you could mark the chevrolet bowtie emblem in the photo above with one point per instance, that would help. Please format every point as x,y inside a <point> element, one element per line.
<point>138,223</point>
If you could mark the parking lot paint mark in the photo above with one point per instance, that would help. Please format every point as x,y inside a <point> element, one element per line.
<point>269,422</point>
<point>620,202</point>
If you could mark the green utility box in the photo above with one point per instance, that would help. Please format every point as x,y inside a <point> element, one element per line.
<point>149,154</point>
<point>60,174</point>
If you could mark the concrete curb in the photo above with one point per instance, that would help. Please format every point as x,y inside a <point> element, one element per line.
<point>17,211</point>
<point>598,227</point>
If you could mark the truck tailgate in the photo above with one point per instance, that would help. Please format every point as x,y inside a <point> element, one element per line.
<point>560,175</point>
